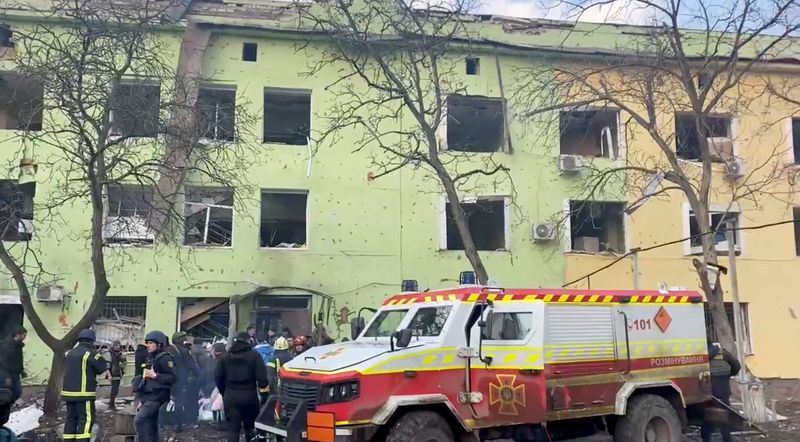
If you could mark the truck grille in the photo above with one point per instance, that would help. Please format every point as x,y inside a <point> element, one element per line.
<point>308,391</point>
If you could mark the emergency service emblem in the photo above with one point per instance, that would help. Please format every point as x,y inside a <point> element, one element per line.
<point>508,395</point>
<point>332,353</point>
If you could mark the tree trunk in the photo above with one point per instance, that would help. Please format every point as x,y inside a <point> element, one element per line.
<point>52,393</point>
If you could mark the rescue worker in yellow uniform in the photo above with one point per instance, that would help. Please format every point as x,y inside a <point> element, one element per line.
<point>82,365</point>
<point>281,357</point>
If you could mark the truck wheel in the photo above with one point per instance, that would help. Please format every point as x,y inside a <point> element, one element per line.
<point>649,418</point>
<point>420,426</point>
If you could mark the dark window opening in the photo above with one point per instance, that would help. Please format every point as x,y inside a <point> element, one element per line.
<point>711,333</point>
<point>16,210</point>
<point>21,102</point>
<point>597,226</point>
<point>128,220</point>
<point>796,139</point>
<point>430,321</point>
<point>475,124</point>
<point>509,326</point>
<point>287,117</point>
<point>473,66</point>
<point>283,220</point>
<point>589,133</point>
<point>487,224</point>
<point>217,109</point>
<point>6,36</point>
<point>135,110</point>
<point>249,51</point>
<point>719,225</point>
<point>283,315</point>
<point>208,215</point>
<point>796,217</point>
<point>717,133</point>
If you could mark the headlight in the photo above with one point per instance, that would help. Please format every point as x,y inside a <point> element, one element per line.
<point>339,392</point>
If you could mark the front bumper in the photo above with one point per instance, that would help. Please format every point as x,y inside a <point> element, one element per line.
<point>288,418</point>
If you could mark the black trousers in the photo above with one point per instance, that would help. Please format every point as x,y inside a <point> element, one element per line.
<point>186,408</point>
<point>241,411</point>
<point>708,429</point>
<point>146,421</point>
<point>114,392</point>
<point>80,418</point>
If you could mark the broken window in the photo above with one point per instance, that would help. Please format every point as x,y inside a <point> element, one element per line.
<point>16,210</point>
<point>717,133</point>
<point>208,217</point>
<point>475,124</point>
<point>217,109</point>
<point>121,319</point>
<point>719,225</point>
<point>796,139</point>
<point>6,36</point>
<point>287,117</point>
<point>128,218</point>
<point>283,219</point>
<point>487,224</point>
<point>473,66</point>
<point>744,309</point>
<point>207,319</point>
<point>590,133</point>
<point>249,52</point>
<point>796,217</point>
<point>135,109</point>
<point>597,226</point>
<point>21,101</point>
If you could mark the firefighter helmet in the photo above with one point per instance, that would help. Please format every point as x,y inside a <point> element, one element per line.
<point>281,344</point>
<point>300,341</point>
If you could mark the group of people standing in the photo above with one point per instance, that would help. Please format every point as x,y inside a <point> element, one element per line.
<point>168,371</point>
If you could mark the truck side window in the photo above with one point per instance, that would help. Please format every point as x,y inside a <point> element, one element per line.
<point>510,326</point>
<point>429,321</point>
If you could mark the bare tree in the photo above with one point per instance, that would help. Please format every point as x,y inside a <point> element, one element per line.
<point>676,91</point>
<point>107,88</point>
<point>398,81</point>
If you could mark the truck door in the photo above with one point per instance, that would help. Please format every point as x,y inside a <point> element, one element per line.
<point>511,384</point>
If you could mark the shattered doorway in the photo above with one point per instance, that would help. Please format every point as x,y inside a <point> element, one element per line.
<point>280,313</point>
<point>204,318</point>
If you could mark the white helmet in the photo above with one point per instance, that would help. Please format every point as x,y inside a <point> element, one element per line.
<point>281,344</point>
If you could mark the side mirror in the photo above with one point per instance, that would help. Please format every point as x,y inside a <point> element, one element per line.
<point>403,337</point>
<point>356,327</point>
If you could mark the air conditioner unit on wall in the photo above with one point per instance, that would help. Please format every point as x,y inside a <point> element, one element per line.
<point>544,232</point>
<point>570,164</point>
<point>52,293</point>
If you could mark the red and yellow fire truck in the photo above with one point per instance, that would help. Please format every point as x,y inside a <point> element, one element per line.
<point>528,364</point>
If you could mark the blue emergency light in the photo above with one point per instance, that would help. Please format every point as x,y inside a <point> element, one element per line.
<point>467,278</point>
<point>409,285</point>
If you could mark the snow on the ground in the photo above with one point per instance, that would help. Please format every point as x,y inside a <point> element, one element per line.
<point>25,420</point>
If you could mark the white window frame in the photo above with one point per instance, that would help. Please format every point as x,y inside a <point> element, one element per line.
<point>688,250</point>
<point>621,144</point>
<point>441,130</point>
<point>471,200</point>
<point>307,193</point>
<point>215,138</point>
<point>204,244</point>
<point>108,219</point>
<point>566,211</point>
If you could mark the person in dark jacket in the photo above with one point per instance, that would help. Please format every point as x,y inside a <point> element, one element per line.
<point>82,365</point>
<point>153,386</point>
<point>281,357</point>
<point>251,335</point>
<point>186,374</point>
<point>240,376</point>
<point>723,366</point>
<point>140,356</point>
<point>11,362</point>
<point>116,366</point>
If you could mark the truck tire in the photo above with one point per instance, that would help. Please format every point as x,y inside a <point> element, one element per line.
<point>420,426</point>
<point>649,418</point>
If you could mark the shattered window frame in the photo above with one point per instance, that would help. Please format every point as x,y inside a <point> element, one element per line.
<point>573,134</point>
<point>611,233</point>
<point>687,146</point>
<point>121,225</point>
<point>211,225</point>
<point>452,141</point>
<point>221,102</point>
<point>144,124</point>
<point>450,238</point>
<point>284,193</point>
<point>294,137</point>
<point>718,217</point>
<point>24,106</point>
<point>18,211</point>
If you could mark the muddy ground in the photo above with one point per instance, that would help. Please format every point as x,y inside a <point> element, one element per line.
<point>786,394</point>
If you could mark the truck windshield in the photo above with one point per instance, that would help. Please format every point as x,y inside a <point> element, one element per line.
<point>385,324</point>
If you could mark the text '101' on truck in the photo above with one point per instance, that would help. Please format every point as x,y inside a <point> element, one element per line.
<point>477,363</point>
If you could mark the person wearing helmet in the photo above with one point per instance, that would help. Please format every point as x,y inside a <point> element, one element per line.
<point>116,366</point>
<point>153,386</point>
<point>299,345</point>
<point>186,374</point>
<point>82,365</point>
<point>281,357</point>
<point>240,376</point>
